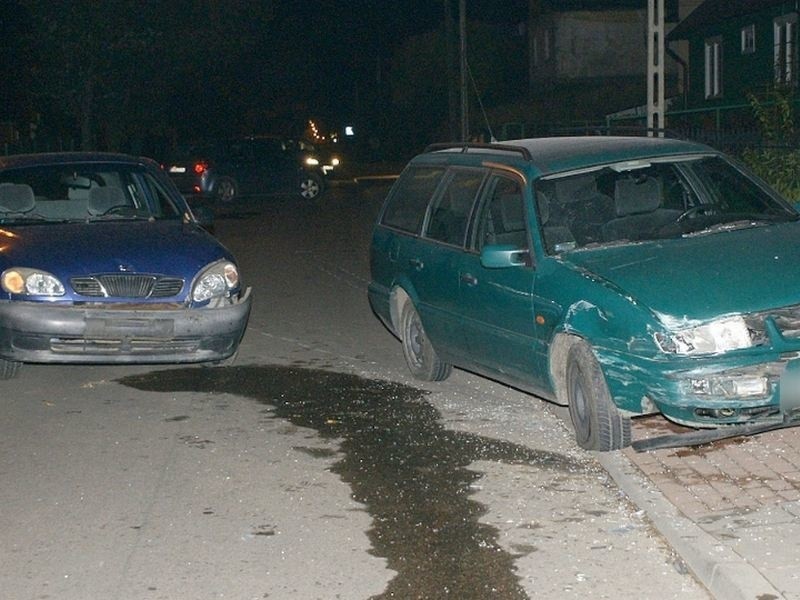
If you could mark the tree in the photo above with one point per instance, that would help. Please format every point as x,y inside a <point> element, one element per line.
<point>115,67</point>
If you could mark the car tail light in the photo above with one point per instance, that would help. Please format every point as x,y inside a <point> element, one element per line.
<point>200,167</point>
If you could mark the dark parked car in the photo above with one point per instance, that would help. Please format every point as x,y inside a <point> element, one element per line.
<point>226,169</point>
<point>102,261</point>
<point>618,276</point>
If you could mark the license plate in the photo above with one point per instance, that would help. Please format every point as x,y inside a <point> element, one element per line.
<point>790,387</point>
<point>129,328</point>
<point>175,169</point>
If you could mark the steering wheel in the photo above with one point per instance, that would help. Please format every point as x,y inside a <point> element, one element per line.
<point>694,210</point>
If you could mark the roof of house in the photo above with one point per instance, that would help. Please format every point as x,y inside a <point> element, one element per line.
<point>711,12</point>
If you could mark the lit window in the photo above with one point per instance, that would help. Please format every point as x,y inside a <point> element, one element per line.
<point>748,39</point>
<point>713,65</point>
<point>785,29</point>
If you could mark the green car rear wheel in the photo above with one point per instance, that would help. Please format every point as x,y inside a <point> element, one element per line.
<point>421,358</point>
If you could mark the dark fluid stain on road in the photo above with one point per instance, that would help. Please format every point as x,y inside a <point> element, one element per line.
<point>409,471</point>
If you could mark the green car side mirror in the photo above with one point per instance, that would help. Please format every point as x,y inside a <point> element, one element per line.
<point>502,256</point>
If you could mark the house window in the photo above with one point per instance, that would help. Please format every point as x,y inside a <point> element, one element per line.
<point>547,51</point>
<point>713,63</point>
<point>542,47</point>
<point>748,39</point>
<point>785,29</point>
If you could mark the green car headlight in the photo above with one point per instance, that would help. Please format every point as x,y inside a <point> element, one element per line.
<point>716,337</point>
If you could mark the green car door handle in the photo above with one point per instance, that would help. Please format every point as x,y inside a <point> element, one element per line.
<point>416,264</point>
<point>469,279</point>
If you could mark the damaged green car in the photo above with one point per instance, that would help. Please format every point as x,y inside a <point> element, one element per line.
<point>617,276</point>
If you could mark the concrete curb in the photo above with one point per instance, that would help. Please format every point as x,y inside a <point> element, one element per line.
<point>724,572</point>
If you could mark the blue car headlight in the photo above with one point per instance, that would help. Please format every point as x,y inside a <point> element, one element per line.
<point>217,280</point>
<point>30,282</point>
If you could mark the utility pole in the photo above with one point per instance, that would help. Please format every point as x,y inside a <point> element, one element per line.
<point>462,26</point>
<point>655,67</point>
<point>450,55</point>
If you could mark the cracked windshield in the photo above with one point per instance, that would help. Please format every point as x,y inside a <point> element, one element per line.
<point>652,200</point>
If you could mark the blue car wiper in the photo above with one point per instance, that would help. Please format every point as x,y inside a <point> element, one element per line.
<point>22,219</point>
<point>119,217</point>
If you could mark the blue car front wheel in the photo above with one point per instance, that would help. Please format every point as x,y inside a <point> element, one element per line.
<point>9,368</point>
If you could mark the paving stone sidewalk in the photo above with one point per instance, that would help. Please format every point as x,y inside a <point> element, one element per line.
<point>731,508</point>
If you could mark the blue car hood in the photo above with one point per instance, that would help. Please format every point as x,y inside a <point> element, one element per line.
<point>70,249</point>
<point>700,278</point>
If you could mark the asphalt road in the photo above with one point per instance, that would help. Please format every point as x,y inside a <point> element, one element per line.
<point>314,467</point>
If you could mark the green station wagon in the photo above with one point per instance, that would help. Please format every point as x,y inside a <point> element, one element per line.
<point>617,276</point>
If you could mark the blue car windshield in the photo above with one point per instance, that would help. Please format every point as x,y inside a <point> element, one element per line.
<point>656,199</point>
<point>62,192</point>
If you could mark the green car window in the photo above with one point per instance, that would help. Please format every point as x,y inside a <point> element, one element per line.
<point>502,217</point>
<point>450,214</point>
<point>408,201</point>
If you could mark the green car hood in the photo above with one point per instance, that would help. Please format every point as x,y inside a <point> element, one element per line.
<point>694,279</point>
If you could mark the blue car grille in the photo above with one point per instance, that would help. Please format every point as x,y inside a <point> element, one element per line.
<point>127,286</point>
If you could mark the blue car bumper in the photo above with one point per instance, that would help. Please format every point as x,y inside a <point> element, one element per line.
<point>42,333</point>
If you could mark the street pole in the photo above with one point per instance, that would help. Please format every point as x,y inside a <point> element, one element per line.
<point>655,68</point>
<point>450,54</point>
<point>462,24</point>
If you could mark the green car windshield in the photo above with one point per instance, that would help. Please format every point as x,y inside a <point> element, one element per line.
<point>647,200</point>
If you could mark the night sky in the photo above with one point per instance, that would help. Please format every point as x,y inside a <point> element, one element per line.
<point>331,55</point>
<point>139,75</point>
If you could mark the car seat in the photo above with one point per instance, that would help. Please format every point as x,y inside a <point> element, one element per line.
<point>16,198</point>
<point>103,199</point>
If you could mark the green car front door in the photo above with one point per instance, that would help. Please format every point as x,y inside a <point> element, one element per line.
<point>497,302</point>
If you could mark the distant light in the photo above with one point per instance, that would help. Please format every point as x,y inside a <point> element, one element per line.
<point>315,134</point>
<point>348,131</point>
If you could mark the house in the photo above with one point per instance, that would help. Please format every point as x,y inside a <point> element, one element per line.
<point>736,47</point>
<point>589,57</point>
<point>581,54</point>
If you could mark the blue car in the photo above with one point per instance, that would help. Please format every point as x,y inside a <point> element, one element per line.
<point>102,261</point>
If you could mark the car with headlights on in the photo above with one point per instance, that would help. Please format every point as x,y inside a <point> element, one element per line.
<point>619,276</point>
<point>102,261</point>
<point>224,170</point>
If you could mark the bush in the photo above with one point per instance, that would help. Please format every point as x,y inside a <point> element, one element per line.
<point>780,167</point>
<point>778,160</point>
